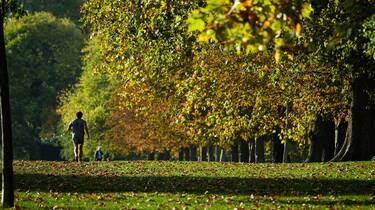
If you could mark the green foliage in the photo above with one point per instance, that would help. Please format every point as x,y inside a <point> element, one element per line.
<point>147,52</point>
<point>229,96</point>
<point>175,91</point>
<point>13,8</point>
<point>369,32</point>
<point>59,8</point>
<point>193,185</point>
<point>338,36</point>
<point>254,73</point>
<point>43,59</point>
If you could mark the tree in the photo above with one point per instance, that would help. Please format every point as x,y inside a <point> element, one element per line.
<point>341,26</point>
<point>147,52</point>
<point>204,93</point>
<point>7,198</point>
<point>334,34</point>
<point>43,59</point>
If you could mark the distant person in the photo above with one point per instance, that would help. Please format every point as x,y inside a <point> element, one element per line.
<point>78,127</point>
<point>98,154</point>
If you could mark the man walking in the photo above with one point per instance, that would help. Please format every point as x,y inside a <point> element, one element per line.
<point>78,127</point>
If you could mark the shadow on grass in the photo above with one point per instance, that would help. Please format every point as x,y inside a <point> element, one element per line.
<point>192,184</point>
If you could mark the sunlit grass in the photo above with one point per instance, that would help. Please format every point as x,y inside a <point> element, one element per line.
<point>193,185</point>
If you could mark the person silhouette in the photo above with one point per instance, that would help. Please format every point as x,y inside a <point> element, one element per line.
<point>98,154</point>
<point>78,127</point>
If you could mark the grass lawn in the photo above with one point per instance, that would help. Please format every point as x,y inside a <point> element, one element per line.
<point>193,185</point>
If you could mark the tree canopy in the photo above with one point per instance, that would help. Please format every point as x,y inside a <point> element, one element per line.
<point>218,71</point>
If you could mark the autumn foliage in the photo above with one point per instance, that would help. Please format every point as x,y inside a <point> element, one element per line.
<point>172,91</point>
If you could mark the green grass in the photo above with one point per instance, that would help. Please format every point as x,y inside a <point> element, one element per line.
<point>193,185</point>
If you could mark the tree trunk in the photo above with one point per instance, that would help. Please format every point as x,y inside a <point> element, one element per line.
<point>285,152</point>
<point>359,142</point>
<point>223,157</point>
<point>322,141</point>
<point>244,149</point>
<point>235,151</point>
<point>328,136</point>
<point>193,153</point>
<point>315,150</point>
<point>7,198</point>
<point>181,154</point>
<point>277,149</point>
<point>357,108</point>
<point>251,150</point>
<point>166,155</point>
<point>160,156</point>
<point>259,150</point>
<point>210,149</point>
<point>340,130</point>
<point>337,124</point>
<point>217,153</point>
<point>203,153</point>
<point>187,154</point>
<point>151,156</point>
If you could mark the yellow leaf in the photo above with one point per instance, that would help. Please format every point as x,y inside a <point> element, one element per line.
<point>203,38</point>
<point>298,30</point>
<point>306,10</point>
<point>279,42</point>
<point>277,55</point>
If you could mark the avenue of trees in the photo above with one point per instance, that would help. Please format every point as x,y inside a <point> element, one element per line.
<point>245,77</point>
<point>249,81</point>
<point>209,80</point>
